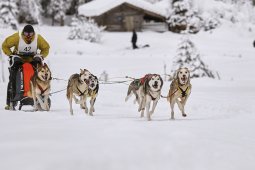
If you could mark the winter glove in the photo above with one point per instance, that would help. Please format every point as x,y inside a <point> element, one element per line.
<point>14,60</point>
<point>37,59</point>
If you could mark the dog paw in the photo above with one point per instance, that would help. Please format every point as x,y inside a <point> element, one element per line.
<point>184,115</point>
<point>142,115</point>
<point>134,102</point>
<point>172,118</point>
<point>86,110</point>
<point>71,112</point>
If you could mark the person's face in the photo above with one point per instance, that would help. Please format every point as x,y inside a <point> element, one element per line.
<point>28,36</point>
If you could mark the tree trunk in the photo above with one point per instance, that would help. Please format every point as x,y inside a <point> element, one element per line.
<point>62,22</point>
<point>53,19</point>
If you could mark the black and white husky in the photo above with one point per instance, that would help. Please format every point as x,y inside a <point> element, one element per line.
<point>147,90</point>
<point>93,88</point>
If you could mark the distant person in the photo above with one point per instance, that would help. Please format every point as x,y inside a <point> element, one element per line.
<point>134,39</point>
<point>21,47</point>
<point>254,43</point>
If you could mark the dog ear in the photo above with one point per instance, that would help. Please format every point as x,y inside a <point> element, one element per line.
<point>85,70</point>
<point>176,73</point>
<point>82,71</point>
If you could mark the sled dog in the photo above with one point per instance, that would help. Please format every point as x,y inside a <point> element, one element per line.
<point>78,86</point>
<point>93,88</point>
<point>147,90</point>
<point>179,91</point>
<point>40,87</point>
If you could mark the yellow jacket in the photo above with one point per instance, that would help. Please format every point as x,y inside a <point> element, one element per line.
<point>13,41</point>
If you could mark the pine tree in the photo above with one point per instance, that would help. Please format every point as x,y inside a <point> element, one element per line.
<point>72,7</point>
<point>8,14</point>
<point>86,29</point>
<point>45,7</point>
<point>187,56</point>
<point>57,11</point>
<point>183,18</point>
<point>29,11</point>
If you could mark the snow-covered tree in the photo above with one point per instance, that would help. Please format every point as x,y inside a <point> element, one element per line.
<point>29,11</point>
<point>183,17</point>
<point>45,7</point>
<point>210,23</point>
<point>188,56</point>
<point>57,11</point>
<point>72,7</point>
<point>8,14</point>
<point>86,29</point>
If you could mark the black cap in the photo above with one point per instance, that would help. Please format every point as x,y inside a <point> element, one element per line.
<point>28,28</point>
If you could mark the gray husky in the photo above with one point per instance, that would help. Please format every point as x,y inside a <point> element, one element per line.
<point>78,86</point>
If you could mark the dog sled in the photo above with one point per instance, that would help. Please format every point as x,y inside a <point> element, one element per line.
<point>19,87</point>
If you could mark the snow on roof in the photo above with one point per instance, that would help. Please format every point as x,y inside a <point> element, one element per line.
<point>98,7</point>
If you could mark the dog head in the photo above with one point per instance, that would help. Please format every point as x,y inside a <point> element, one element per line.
<point>84,76</point>
<point>155,82</point>
<point>43,72</point>
<point>93,82</point>
<point>183,75</point>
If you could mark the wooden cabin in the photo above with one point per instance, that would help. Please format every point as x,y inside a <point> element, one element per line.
<point>125,15</point>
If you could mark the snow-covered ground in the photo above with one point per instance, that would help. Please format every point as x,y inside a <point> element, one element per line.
<point>216,135</point>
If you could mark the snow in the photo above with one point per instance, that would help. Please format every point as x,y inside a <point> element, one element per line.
<point>216,135</point>
<point>98,7</point>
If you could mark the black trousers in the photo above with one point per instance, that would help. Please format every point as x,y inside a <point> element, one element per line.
<point>134,45</point>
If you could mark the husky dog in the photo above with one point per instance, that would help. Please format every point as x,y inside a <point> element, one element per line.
<point>146,90</point>
<point>179,91</point>
<point>40,87</point>
<point>93,88</point>
<point>78,86</point>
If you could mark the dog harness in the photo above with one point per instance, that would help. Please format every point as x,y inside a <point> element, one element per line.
<point>183,92</point>
<point>153,98</point>
<point>41,89</point>
<point>81,93</point>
